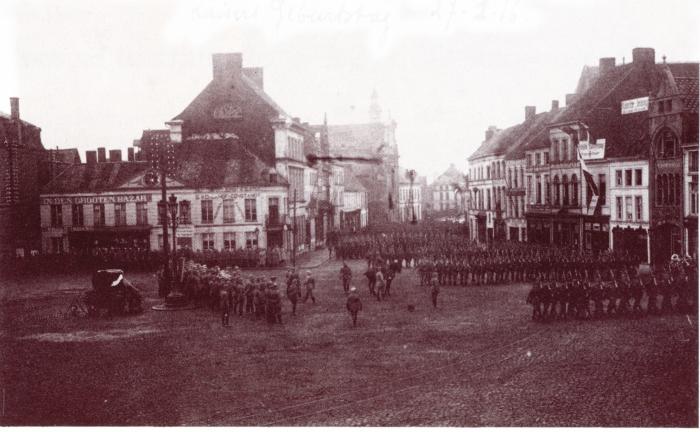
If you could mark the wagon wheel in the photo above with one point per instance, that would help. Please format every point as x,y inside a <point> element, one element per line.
<point>77,308</point>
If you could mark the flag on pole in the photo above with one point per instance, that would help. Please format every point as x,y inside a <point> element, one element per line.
<point>593,197</point>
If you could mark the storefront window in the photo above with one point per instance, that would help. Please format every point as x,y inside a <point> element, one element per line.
<point>229,241</point>
<point>141,213</point>
<point>98,211</point>
<point>207,241</point>
<point>120,214</point>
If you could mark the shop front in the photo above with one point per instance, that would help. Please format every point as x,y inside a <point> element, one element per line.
<point>88,241</point>
<point>539,228</point>
<point>631,240</point>
<point>596,233</point>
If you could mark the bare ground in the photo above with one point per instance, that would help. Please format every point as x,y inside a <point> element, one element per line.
<point>475,361</point>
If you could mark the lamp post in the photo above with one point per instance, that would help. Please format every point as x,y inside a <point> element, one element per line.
<point>174,220</point>
<point>411,175</point>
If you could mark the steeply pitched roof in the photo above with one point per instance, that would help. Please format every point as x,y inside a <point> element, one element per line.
<point>362,140</point>
<point>450,176</point>
<point>222,162</point>
<point>600,107</point>
<point>537,135</point>
<point>65,156</point>
<point>200,164</point>
<point>98,177</point>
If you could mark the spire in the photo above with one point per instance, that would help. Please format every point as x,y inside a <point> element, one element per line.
<point>375,111</point>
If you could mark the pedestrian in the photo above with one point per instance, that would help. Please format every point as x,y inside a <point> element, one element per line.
<point>224,306</point>
<point>293,293</point>
<point>353,304</point>
<point>345,276</point>
<point>309,284</point>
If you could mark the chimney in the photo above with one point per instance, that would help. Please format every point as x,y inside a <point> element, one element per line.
<point>571,98</point>
<point>530,112</point>
<point>606,64</point>
<point>555,104</point>
<point>255,74</point>
<point>227,65</point>
<point>101,155</point>
<point>175,127</point>
<point>14,108</point>
<point>115,155</point>
<point>272,175</point>
<point>490,132</point>
<point>91,157</point>
<point>130,154</point>
<point>643,56</point>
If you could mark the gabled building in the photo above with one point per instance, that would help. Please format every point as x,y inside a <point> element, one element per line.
<point>235,105</point>
<point>370,141</point>
<point>228,197</point>
<point>445,198</point>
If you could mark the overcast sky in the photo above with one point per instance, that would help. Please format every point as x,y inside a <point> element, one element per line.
<point>97,73</point>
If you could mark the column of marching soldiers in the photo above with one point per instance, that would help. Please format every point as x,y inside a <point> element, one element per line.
<point>566,282</point>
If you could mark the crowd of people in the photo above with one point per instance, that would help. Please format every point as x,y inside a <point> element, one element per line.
<point>139,259</point>
<point>229,292</point>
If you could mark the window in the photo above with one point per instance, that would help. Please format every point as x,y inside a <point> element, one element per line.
<point>56,215</point>
<point>638,177</point>
<point>207,211</point>
<point>77,215</point>
<point>555,153</point>
<point>556,191</point>
<point>488,199</point>
<point>141,214</point>
<point>98,212</point>
<point>628,177</point>
<point>628,208</point>
<point>207,241</point>
<point>488,172</point>
<point>694,197</point>
<point>666,145</point>
<point>618,178</point>
<point>574,190</point>
<point>228,211</point>
<point>529,189</point>
<point>537,159</point>
<point>565,188</point>
<point>546,157</point>
<point>251,239</point>
<point>251,211</point>
<point>185,212</point>
<point>618,206</point>
<point>538,186</point>
<point>638,208</point>
<point>602,188</point>
<point>296,183</point>
<point>547,190</point>
<point>229,241</point>
<point>693,161</point>
<point>120,214</point>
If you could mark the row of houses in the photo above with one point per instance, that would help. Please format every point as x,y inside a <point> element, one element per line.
<point>615,168</point>
<point>239,172</point>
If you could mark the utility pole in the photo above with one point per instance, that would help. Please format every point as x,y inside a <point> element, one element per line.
<point>294,231</point>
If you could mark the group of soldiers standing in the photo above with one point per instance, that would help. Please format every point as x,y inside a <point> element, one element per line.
<point>615,292</point>
<point>231,293</point>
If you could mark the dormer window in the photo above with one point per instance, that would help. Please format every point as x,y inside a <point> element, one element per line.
<point>666,145</point>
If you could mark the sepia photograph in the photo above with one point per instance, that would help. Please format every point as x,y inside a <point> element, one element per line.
<point>349,213</point>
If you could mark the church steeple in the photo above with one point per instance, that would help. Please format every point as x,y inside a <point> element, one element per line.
<point>375,111</point>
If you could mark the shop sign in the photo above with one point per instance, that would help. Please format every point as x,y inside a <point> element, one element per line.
<point>631,106</point>
<point>97,199</point>
<point>185,231</point>
<point>227,195</point>
<point>592,151</point>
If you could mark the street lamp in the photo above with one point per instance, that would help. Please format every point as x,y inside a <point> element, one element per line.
<point>172,207</point>
<point>411,175</point>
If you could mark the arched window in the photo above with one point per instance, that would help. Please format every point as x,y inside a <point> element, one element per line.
<point>574,190</point>
<point>666,144</point>
<point>556,190</point>
<point>565,190</point>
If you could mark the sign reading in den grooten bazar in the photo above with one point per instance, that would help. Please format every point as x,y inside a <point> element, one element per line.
<point>97,199</point>
<point>635,105</point>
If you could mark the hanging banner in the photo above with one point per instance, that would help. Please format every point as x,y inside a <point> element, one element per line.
<point>592,151</point>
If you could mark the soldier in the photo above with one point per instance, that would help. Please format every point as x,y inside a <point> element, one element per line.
<point>273,303</point>
<point>259,297</point>
<point>310,284</point>
<point>380,284</point>
<point>434,288</point>
<point>249,294</point>
<point>371,274</point>
<point>353,304</point>
<point>534,298</point>
<point>293,292</point>
<point>225,306</point>
<point>345,276</point>
<point>390,275</point>
<point>652,295</point>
